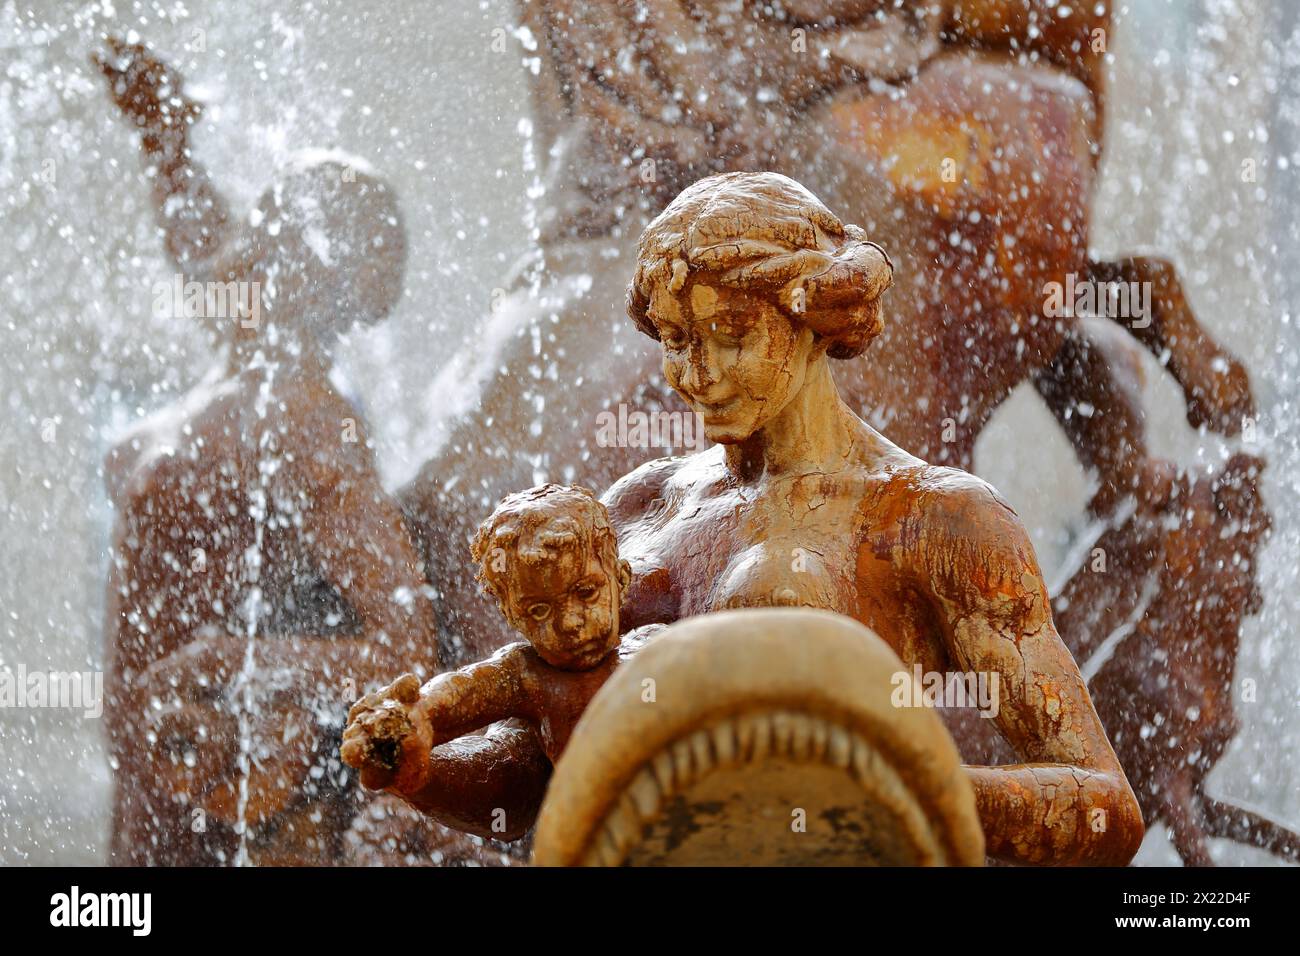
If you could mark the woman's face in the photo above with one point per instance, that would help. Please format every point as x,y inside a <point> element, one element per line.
<point>732,355</point>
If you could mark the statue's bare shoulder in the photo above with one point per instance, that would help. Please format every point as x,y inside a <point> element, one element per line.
<point>961,526</point>
<point>633,495</point>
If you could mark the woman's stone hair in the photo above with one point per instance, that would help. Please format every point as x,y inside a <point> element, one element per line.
<point>534,527</point>
<point>765,233</point>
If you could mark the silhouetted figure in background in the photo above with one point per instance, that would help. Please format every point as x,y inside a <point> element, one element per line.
<point>261,578</point>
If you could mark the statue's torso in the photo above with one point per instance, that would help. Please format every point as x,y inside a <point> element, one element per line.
<point>844,542</point>
<point>710,544</point>
<point>210,499</point>
<point>204,515</point>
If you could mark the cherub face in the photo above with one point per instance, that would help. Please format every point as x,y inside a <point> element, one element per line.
<point>567,606</point>
<point>732,355</point>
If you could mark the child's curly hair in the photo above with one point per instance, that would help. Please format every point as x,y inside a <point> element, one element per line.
<point>533,526</point>
<point>766,232</point>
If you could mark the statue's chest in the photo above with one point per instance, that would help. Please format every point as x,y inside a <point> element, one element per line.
<point>733,551</point>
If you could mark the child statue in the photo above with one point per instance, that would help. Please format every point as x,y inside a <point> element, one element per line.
<point>549,557</point>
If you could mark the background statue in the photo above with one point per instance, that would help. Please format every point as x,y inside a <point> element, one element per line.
<point>968,132</point>
<point>751,285</point>
<point>261,576</point>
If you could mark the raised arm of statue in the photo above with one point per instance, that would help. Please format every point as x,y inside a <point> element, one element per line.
<point>193,215</point>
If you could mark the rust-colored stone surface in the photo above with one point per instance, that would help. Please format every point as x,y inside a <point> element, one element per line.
<point>967,133</point>
<point>871,125</point>
<point>750,285</point>
<point>759,737</point>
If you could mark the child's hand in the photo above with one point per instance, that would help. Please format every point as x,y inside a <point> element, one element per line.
<point>389,738</point>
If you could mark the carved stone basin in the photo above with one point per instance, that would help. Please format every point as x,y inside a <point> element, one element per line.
<point>759,737</point>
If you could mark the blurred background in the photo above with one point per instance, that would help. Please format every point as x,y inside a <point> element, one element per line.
<point>1197,88</point>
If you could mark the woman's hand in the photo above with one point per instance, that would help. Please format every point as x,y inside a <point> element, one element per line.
<point>389,738</point>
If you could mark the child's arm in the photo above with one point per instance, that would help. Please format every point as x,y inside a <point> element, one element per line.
<point>482,693</point>
<point>391,732</point>
<point>490,784</point>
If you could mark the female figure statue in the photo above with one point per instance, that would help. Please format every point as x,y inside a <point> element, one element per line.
<point>750,285</point>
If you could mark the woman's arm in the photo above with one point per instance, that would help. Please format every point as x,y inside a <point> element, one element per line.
<point>191,212</point>
<point>1070,802</point>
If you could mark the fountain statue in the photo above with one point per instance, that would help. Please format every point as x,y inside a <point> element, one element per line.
<point>750,285</point>
<point>967,131</point>
<point>550,559</point>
